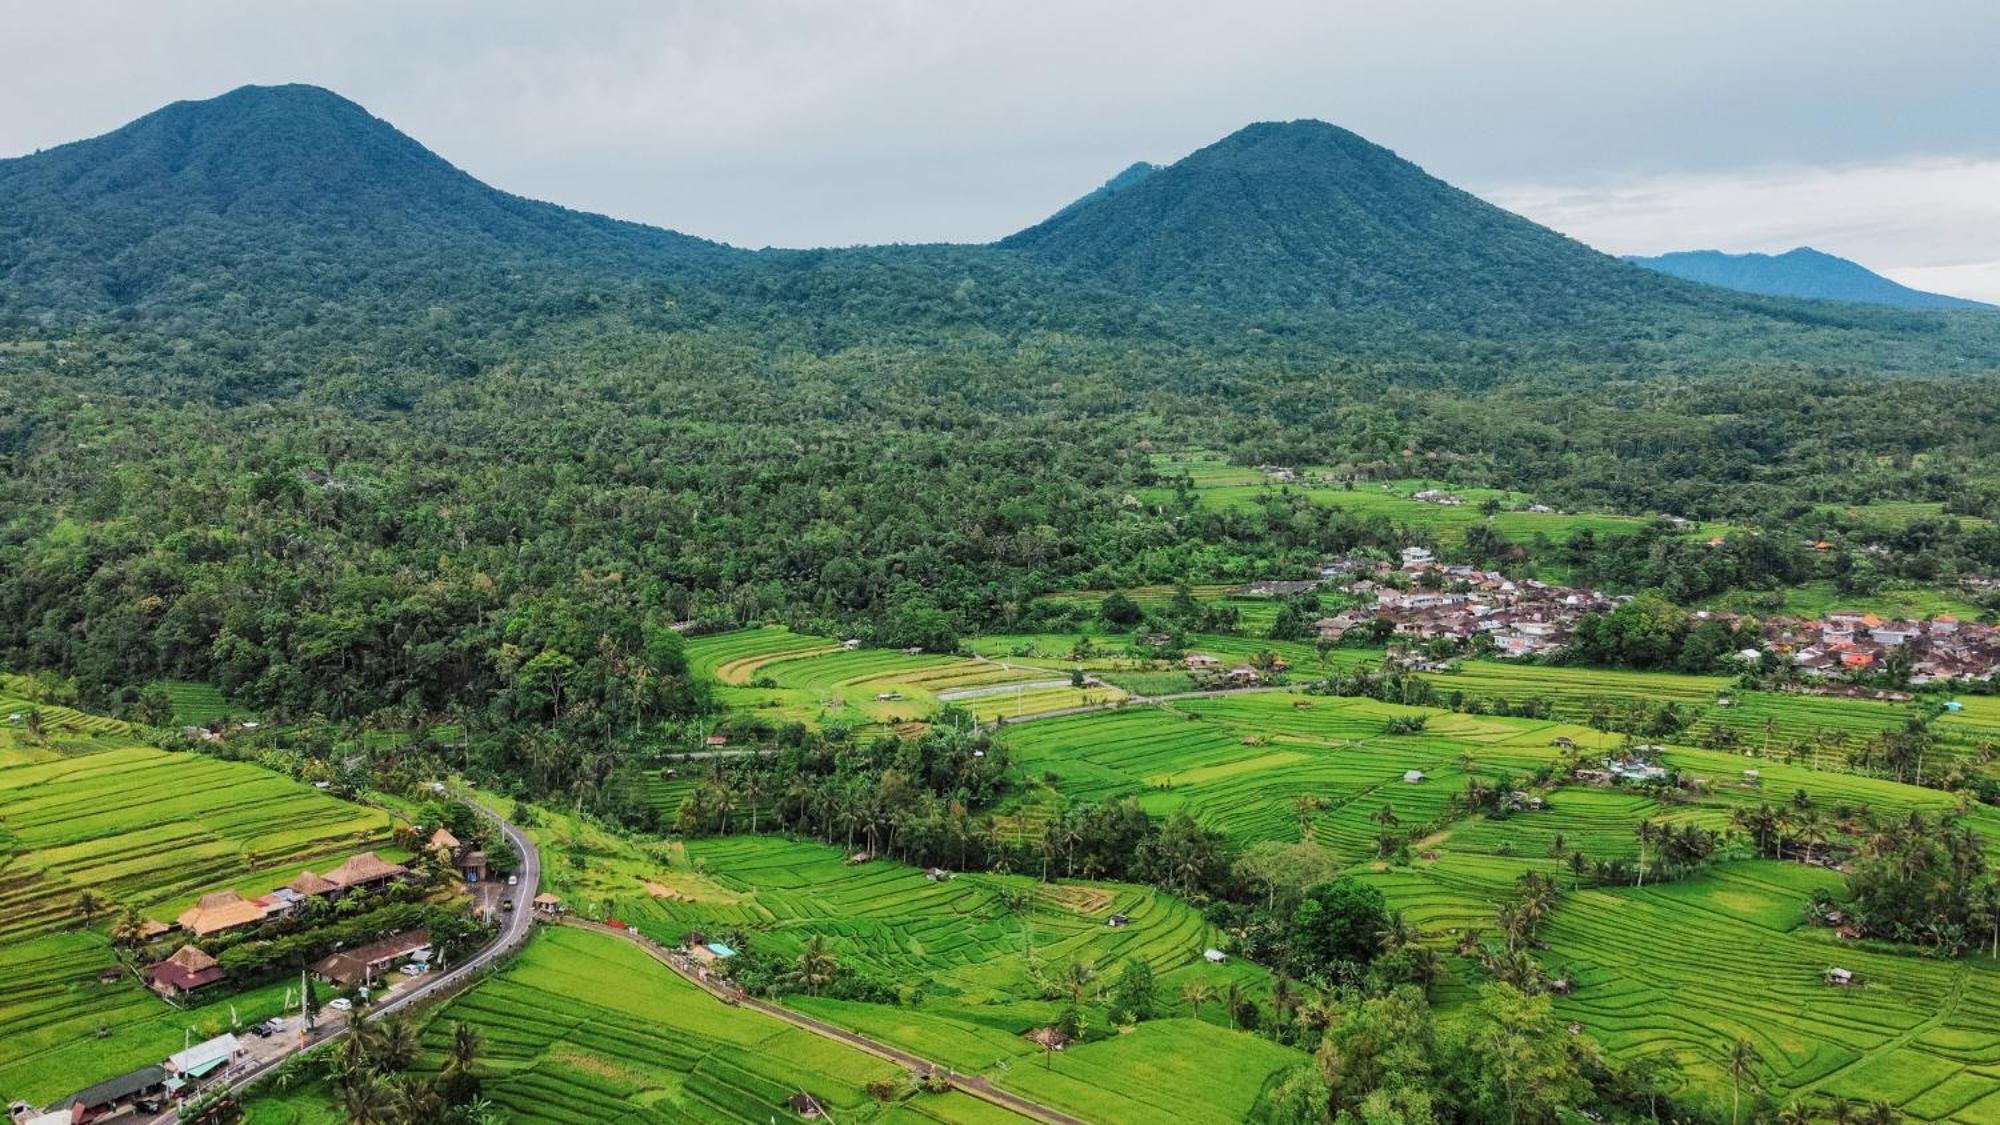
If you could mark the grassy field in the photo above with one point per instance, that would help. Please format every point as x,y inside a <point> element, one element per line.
<point>90,808</point>
<point>1223,486</point>
<point>1814,600</point>
<point>198,704</point>
<point>969,966</point>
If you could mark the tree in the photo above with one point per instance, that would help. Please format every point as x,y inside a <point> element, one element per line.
<point>1529,1067</point>
<point>1120,611</point>
<point>458,1084</point>
<point>1743,1059</point>
<point>1197,994</point>
<point>1135,992</point>
<point>816,966</point>
<point>88,906</point>
<point>1334,923</point>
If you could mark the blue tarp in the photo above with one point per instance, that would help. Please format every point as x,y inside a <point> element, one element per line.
<point>720,950</point>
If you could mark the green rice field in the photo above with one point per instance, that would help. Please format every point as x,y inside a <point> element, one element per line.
<point>966,963</point>
<point>1681,968</point>
<point>89,808</point>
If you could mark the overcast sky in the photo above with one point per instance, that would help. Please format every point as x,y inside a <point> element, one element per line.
<point>1867,129</point>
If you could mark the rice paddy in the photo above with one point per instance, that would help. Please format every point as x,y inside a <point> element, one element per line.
<point>783,676</point>
<point>88,808</point>
<point>967,955</point>
<point>1680,968</point>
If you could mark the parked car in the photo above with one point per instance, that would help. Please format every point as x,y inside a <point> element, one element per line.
<point>513,880</point>
<point>415,968</point>
<point>340,1004</point>
<point>506,904</point>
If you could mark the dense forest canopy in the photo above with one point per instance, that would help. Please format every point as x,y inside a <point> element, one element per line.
<point>289,403</point>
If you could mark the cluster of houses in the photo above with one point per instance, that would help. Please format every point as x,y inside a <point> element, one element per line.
<point>1846,642</point>
<point>1524,617</point>
<point>224,912</point>
<point>1427,600</point>
<point>149,1089</point>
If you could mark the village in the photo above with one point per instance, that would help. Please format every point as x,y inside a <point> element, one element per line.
<point>311,918</point>
<point>1420,599</point>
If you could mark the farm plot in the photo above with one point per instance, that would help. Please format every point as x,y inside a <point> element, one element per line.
<point>135,826</point>
<point>787,677</point>
<point>1685,968</point>
<point>1576,693</point>
<point>1820,726</point>
<point>1228,487</point>
<point>968,954</point>
<point>585,1026</point>
<point>1257,767</point>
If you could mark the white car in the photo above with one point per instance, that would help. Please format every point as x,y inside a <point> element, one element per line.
<point>340,1004</point>
<point>513,880</point>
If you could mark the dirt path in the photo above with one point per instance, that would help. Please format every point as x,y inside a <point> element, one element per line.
<point>972,1084</point>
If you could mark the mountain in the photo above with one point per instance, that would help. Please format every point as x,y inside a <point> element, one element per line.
<point>1132,174</point>
<point>282,186</point>
<point>1803,272</point>
<point>1307,216</point>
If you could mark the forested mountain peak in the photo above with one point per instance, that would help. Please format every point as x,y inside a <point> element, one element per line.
<point>1799,272</point>
<point>1304,214</point>
<point>265,185</point>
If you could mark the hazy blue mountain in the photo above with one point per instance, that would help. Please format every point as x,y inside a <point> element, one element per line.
<point>1803,272</point>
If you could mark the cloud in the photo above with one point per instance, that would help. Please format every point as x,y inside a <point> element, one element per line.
<point>1929,223</point>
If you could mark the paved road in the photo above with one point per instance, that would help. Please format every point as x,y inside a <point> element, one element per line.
<point>972,1084</point>
<point>514,930</point>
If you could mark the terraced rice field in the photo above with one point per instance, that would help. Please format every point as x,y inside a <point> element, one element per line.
<point>815,679</point>
<point>91,809</point>
<point>583,1026</point>
<point>963,958</point>
<point>1681,967</point>
<point>197,704</point>
<point>1573,693</point>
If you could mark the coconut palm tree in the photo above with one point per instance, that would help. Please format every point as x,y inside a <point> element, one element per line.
<point>1196,995</point>
<point>88,906</point>
<point>130,926</point>
<point>1743,1058</point>
<point>1396,932</point>
<point>816,965</point>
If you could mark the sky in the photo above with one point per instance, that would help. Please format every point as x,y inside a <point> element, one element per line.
<point>1865,129</point>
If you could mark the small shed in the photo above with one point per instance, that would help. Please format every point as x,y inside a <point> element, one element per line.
<point>1117,921</point>
<point>1840,978</point>
<point>1413,776</point>
<point>1214,956</point>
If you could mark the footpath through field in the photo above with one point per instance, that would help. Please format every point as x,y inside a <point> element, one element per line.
<point>972,1084</point>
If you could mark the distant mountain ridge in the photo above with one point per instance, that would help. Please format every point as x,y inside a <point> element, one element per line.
<point>294,204</point>
<point>1802,272</point>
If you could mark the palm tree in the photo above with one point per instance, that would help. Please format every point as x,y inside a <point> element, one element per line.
<point>1196,995</point>
<point>88,905</point>
<point>755,789</point>
<point>1578,864</point>
<point>1796,1113</point>
<point>815,965</point>
<point>466,1043</point>
<point>1232,1000</point>
<point>1743,1057</point>
<point>1396,932</point>
<point>398,1046</point>
<point>364,1099</point>
<point>131,924</point>
<point>1646,831</point>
